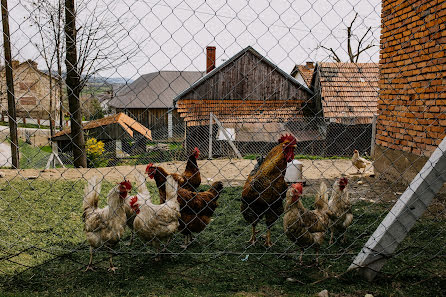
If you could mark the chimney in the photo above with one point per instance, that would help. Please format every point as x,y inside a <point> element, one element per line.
<point>310,65</point>
<point>210,58</point>
<point>14,64</point>
<point>32,63</point>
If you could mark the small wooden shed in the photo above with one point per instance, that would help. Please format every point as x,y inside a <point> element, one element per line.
<point>118,128</point>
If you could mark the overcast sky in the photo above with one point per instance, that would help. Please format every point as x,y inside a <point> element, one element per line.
<point>173,34</point>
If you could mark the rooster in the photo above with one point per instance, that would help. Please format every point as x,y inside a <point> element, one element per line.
<point>359,162</point>
<point>265,189</point>
<point>190,179</point>
<point>129,205</point>
<point>104,227</point>
<point>197,209</point>
<point>156,223</point>
<point>339,207</point>
<point>306,227</point>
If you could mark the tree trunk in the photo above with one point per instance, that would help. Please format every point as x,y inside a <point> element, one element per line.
<point>73,83</point>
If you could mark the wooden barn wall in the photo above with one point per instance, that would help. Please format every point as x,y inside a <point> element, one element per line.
<point>156,119</point>
<point>247,78</point>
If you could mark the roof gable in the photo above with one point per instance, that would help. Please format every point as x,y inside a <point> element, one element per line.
<point>230,61</point>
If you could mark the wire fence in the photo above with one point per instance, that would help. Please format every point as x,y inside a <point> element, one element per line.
<point>224,135</point>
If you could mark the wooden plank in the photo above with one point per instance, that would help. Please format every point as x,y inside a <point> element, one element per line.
<point>210,136</point>
<point>403,215</point>
<point>227,136</point>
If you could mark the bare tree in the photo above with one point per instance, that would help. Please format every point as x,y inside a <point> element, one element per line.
<point>353,56</point>
<point>74,88</point>
<point>47,17</point>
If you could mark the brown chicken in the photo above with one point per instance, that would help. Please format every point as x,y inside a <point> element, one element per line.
<point>306,227</point>
<point>359,162</point>
<point>196,208</point>
<point>265,189</point>
<point>104,226</point>
<point>189,180</point>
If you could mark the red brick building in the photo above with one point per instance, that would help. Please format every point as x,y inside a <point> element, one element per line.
<point>412,104</point>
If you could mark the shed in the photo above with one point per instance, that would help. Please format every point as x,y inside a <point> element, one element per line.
<point>149,100</point>
<point>346,94</point>
<point>116,130</point>
<point>254,100</point>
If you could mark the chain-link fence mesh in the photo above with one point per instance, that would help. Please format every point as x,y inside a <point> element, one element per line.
<point>289,129</point>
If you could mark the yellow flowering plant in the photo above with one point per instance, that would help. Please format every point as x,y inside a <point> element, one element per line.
<point>95,153</point>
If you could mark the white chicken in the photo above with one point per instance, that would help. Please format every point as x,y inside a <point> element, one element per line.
<point>359,162</point>
<point>104,226</point>
<point>155,223</point>
<point>340,208</point>
<point>130,207</point>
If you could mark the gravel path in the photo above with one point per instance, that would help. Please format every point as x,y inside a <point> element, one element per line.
<point>231,171</point>
<point>5,155</point>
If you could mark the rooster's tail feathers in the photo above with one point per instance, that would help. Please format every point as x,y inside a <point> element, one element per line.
<point>321,200</point>
<point>91,194</point>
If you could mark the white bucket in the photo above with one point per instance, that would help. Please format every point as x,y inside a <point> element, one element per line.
<point>293,172</point>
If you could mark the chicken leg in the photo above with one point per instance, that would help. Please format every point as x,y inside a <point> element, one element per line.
<point>112,267</point>
<point>253,240</point>
<point>90,266</point>
<point>268,242</point>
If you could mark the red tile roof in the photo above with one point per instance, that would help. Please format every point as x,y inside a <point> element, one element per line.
<point>126,122</point>
<point>306,73</point>
<point>349,91</point>
<point>196,112</point>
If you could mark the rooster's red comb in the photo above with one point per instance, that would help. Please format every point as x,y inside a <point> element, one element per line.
<point>196,150</point>
<point>127,184</point>
<point>288,138</point>
<point>150,165</point>
<point>343,181</point>
<point>298,187</point>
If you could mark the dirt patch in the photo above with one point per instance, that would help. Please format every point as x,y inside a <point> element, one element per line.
<point>232,171</point>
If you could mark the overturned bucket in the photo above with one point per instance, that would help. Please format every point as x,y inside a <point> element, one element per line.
<point>293,172</point>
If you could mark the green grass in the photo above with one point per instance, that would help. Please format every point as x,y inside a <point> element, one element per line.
<point>42,218</point>
<point>33,156</point>
<point>21,125</point>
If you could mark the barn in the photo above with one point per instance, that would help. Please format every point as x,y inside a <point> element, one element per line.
<point>119,132</point>
<point>346,95</point>
<point>250,99</point>
<point>412,101</point>
<point>149,100</point>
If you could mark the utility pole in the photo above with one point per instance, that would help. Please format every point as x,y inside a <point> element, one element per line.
<point>10,86</point>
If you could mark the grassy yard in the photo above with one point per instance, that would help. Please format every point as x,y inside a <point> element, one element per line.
<point>33,156</point>
<point>43,252</point>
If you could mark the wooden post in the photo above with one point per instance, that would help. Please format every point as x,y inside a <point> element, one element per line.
<point>403,215</point>
<point>228,138</point>
<point>169,124</point>
<point>210,136</point>
<point>372,144</point>
<point>10,86</point>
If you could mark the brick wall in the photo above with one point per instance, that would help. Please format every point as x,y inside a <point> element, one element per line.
<point>412,103</point>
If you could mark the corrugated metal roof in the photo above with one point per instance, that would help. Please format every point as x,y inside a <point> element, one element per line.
<point>127,123</point>
<point>155,90</point>
<point>349,91</point>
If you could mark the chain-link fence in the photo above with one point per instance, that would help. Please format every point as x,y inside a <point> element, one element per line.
<point>263,143</point>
